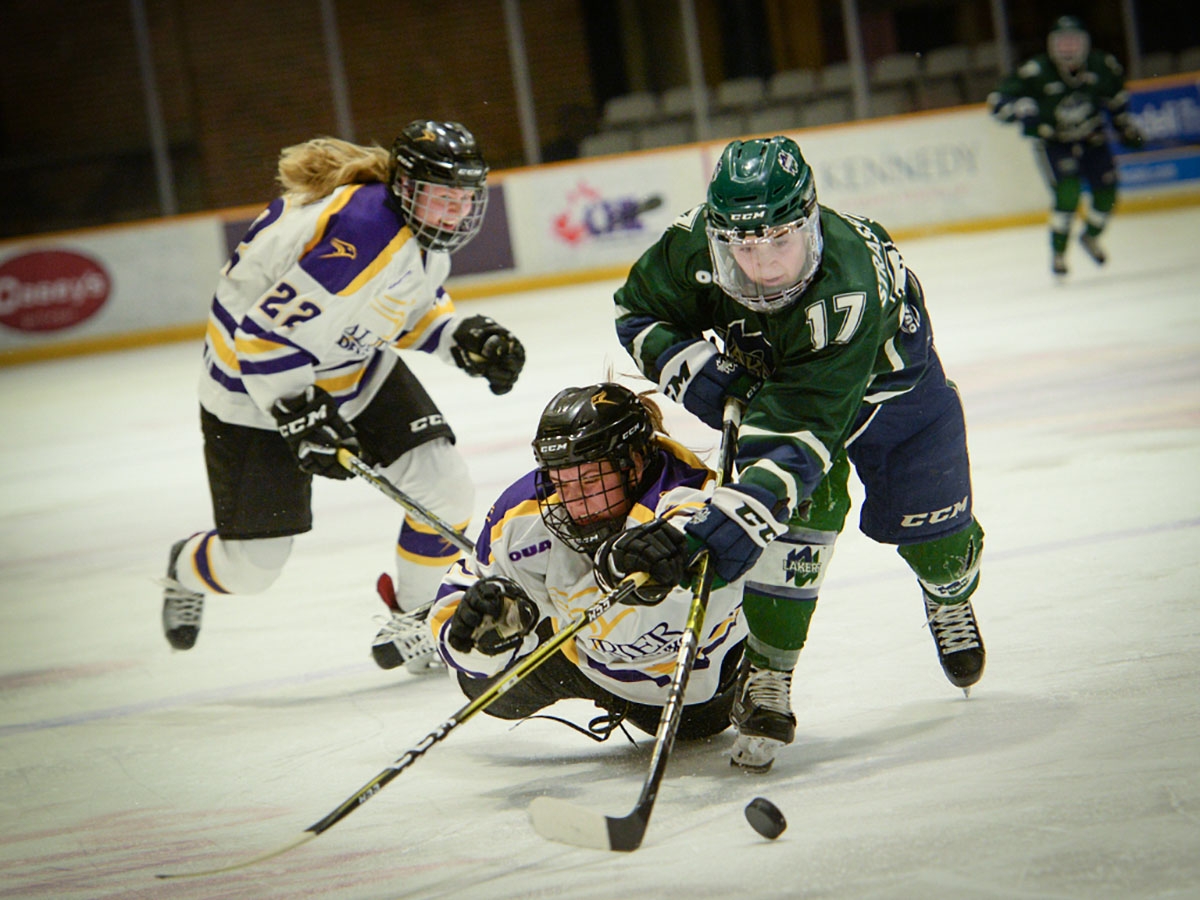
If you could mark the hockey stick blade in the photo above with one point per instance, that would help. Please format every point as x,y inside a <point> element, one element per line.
<point>562,821</point>
<point>558,820</point>
<point>496,688</point>
<point>233,867</point>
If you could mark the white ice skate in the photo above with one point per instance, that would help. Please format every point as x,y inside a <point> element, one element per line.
<point>405,638</point>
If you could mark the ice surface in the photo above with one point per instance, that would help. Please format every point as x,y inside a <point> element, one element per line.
<point>1072,772</point>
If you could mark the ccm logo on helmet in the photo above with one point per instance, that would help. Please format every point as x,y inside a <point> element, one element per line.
<point>915,520</point>
<point>742,217</point>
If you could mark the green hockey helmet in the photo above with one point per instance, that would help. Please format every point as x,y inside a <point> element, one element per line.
<point>1068,44</point>
<point>763,223</point>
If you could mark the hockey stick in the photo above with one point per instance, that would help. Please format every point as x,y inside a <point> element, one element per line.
<point>563,821</point>
<point>381,484</point>
<point>500,684</point>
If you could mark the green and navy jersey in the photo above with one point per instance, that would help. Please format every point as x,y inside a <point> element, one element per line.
<point>1062,108</point>
<point>321,293</point>
<point>856,337</point>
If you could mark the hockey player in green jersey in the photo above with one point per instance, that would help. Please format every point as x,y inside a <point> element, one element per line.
<point>1061,99</point>
<point>825,337</point>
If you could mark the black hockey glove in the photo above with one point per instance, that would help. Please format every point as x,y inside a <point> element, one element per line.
<point>1129,134</point>
<point>656,548</point>
<point>493,617</point>
<point>315,431</point>
<point>481,347</point>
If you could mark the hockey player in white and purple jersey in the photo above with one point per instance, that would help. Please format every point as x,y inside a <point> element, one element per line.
<point>333,277</point>
<point>609,498</point>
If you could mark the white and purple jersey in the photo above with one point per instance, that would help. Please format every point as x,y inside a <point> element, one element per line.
<point>321,294</point>
<point>630,650</point>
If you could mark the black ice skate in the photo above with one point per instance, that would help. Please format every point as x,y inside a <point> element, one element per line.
<point>959,645</point>
<point>1091,246</point>
<point>762,714</point>
<point>1058,264</point>
<point>405,638</point>
<point>181,608</point>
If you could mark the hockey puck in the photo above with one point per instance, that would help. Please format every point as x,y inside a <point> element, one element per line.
<point>765,818</point>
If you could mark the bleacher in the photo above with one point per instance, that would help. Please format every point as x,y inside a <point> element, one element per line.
<point>898,83</point>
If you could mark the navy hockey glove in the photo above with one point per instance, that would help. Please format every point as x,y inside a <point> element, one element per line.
<point>656,548</point>
<point>314,429</point>
<point>734,527</point>
<point>481,347</point>
<point>493,617</point>
<point>697,375</point>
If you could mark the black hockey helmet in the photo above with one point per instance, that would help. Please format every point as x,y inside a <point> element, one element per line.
<point>429,154</point>
<point>603,422</point>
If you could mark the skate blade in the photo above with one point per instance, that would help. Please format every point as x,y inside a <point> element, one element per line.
<point>424,667</point>
<point>754,754</point>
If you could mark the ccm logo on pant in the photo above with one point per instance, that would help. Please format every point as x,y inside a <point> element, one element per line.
<point>914,520</point>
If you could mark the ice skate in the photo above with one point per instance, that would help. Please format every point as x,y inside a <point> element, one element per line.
<point>762,714</point>
<point>959,645</point>
<point>1091,246</point>
<point>181,608</point>
<point>405,638</point>
<point>1058,264</point>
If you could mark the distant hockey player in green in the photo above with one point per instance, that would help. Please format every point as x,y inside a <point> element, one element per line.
<point>1061,99</point>
<point>825,337</point>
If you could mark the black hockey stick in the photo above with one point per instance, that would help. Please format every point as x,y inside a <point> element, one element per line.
<point>560,820</point>
<point>499,685</point>
<point>368,474</point>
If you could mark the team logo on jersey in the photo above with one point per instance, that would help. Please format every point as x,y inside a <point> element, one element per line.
<point>358,340</point>
<point>661,640</point>
<point>911,322</point>
<point>531,550</point>
<point>750,348</point>
<point>343,249</point>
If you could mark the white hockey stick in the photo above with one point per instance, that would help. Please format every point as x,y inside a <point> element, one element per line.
<point>563,821</point>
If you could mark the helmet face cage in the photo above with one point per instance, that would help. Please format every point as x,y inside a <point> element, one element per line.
<point>763,223</point>
<point>440,181</point>
<point>605,424</point>
<point>1068,44</point>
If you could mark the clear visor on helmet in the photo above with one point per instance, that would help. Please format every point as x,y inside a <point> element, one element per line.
<point>1068,48</point>
<point>767,271</point>
<point>442,217</point>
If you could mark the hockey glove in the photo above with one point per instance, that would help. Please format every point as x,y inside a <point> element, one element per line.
<point>481,347</point>
<point>1129,134</point>
<point>493,617</point>
<point>656,548</point>
<point>315,431</point>
<point>701,378</point>
<point>734,527</point>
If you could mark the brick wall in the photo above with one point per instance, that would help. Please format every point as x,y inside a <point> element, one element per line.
<point>239,80</point>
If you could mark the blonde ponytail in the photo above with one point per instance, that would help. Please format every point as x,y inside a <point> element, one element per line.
<point>312,170</point>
